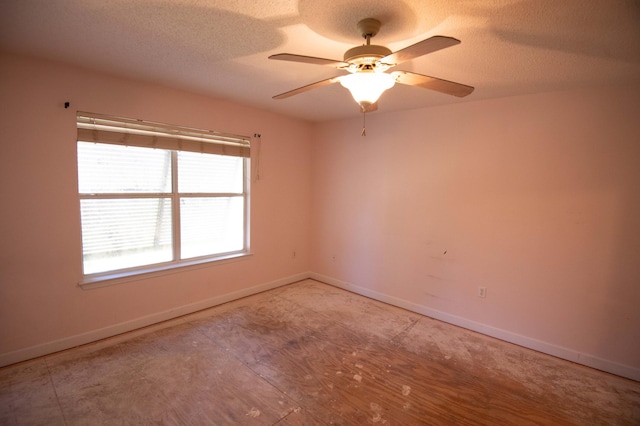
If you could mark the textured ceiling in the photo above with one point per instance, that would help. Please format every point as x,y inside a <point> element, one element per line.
<point>220,48</point>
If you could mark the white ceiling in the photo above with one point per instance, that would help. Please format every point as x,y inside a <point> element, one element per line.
<point>220,48</point>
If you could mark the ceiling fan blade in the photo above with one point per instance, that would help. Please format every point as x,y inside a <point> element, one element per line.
<point>309,60</point>
<point>433,83</point>
<point>423,47</point>
<point>307,87</point>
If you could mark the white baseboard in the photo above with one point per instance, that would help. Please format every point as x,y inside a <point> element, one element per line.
<point>123,327</point>
<point>520,340</point>
<point>527,342</point>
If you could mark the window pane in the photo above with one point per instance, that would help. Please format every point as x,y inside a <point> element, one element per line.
<point>201,173</point>
<point>104,168</point>
<point>124,233</point>
<point>211,225</point>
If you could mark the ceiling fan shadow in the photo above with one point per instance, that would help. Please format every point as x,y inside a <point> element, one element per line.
<point>177,32</point>
<point>580,46</point>
<point>572,27</point>
<point>337,22</point>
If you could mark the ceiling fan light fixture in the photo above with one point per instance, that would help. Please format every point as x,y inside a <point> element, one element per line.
<point>368,63</point>
<point>367,86</point>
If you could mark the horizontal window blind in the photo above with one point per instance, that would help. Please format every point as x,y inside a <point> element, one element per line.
<point>104,169</point>
<point>201,174</point>
<point>132,132</point>
<point>124,233</point>
<point>155,196</point>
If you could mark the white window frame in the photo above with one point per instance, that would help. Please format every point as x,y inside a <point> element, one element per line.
<point>160,136</point>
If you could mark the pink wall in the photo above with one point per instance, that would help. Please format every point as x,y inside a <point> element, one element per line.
<point>40,253</point>
<point>536,198</point>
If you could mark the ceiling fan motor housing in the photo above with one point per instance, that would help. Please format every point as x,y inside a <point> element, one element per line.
<point>365,57</point>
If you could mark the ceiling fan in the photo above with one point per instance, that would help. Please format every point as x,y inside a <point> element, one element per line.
<point>367,66</point>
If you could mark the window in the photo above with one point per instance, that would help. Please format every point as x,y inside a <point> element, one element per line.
<point>154,197</point>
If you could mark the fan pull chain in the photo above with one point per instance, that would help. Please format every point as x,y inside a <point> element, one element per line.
<point>364,130</point>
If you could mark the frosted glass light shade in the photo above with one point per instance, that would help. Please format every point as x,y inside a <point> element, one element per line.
<point>367,86</point>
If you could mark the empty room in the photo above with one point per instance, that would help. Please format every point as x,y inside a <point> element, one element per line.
<point>305,212</point>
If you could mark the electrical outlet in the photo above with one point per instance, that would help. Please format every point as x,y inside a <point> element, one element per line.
<point>482,292</point>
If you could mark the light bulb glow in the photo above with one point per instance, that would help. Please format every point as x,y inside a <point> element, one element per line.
<point>367,86</point>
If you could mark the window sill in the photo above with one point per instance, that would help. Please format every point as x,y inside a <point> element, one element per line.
<point>107,279</point>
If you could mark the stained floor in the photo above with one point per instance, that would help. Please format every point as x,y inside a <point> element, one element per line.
<point>310,354</point>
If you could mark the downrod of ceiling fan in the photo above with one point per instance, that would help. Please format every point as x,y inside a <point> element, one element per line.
<point>366,55</point>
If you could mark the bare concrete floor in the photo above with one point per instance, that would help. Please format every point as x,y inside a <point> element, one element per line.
<point>308,354</point>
